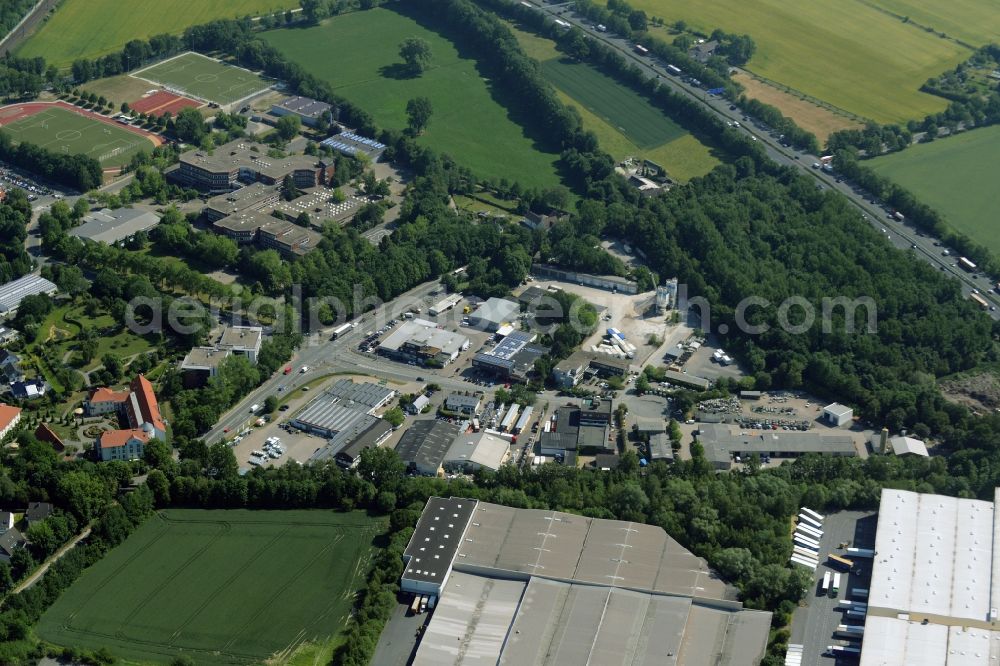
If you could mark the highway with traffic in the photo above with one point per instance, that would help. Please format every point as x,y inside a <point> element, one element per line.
<point>900,235</point>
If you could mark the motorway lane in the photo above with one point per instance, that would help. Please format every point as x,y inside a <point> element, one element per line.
<point>900,235</point>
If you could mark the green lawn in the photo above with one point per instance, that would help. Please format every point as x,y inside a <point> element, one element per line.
<point>63,325</point>
<point>957,177</point>
<point>616,114</point>
<point>617,105</point>
<point>91,28</point>
<point>625,123</point>
<point>844,52</point>
<point>358,54</point>
<point>198,76</point>
<point>974,21</point>
<point>63,131</point>
<point>224,587</point>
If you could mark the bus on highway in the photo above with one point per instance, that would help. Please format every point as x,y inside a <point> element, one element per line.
<point>641,50</point>
<point>966,264</point>
<point>980,301</point>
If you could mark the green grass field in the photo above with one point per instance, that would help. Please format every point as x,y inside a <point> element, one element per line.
<point>632,115</point>
<point>224,587</point>
<point>844,52</point>
<point>955,176</point>
<point>626,124</point>
<point>198,76</point>
<point>974,21</point>
<point>92,28</point>
<point>61,130</point>
<point>358,54</point>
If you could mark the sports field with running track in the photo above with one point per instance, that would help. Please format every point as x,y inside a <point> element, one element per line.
<point>63,129</point>
<point>223,587</point>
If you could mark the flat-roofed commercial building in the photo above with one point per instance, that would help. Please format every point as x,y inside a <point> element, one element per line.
<point>423,447</point>
<point>723,444</point>
<point>364,396</point>
<point>243,227</point>
<point>529,586</point>
<point>201,364</point>
<point>289,239</point>
<point>611,283</point>
<point>512,358</point>
<point>494,313</point>
<point>935,588</point>
<point>242,341</point>
<point>420,340</point>
<point>346,446</point>
<point>256,196</point>
<point>12,293</point>
<point>111,226</point>
<point>687,380</point>
<point>240,161</point>
<point>470,452</point>
<point>571,370</point>
<point>327,418</point>
<point>309,111</point>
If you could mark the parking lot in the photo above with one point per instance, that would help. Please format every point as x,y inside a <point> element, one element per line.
<point>815,622</point>
<point>10,178</point>
<point>702,364</point>
<point>298,446</point>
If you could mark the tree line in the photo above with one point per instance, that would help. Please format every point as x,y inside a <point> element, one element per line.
<point>15,214</point>
<point>917,213</point>
<point>78,172</point>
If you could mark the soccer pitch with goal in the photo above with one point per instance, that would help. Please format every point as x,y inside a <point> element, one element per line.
<point>62,130</point>
<point>199,76</point>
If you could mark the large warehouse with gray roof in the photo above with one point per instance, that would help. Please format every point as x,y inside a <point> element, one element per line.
<point>529,586</point>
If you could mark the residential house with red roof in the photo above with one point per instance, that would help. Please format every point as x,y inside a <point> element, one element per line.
<point>9,418</point>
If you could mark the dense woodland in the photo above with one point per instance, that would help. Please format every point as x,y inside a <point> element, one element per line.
<point>15,213</point>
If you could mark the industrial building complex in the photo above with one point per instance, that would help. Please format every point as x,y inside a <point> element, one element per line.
<point>528,586</point>
<point>422,341</point>
<point>725,444</point>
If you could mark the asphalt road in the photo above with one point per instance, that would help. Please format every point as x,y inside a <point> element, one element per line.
<point>901,236</point>
<point>324,356</point>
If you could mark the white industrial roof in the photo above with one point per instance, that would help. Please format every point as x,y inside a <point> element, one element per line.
<point>909,643</point>
<point>893,641</point>
<point>475,610</point>
<point>495,311</point>
<point>837,409</point>
<point>481,449</point>
<point>933,555</point>
<point>424,333</point>
<point>12,293</point>
<point>903,445</point>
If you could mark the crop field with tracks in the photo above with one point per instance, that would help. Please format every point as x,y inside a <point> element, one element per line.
<point>224,587</point>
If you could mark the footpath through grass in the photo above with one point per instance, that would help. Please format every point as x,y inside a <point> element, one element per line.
<point>956,176</point>
<point>224,587</point>
<point>358,53</point>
